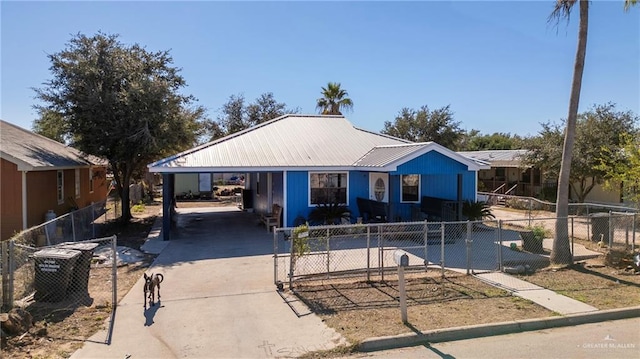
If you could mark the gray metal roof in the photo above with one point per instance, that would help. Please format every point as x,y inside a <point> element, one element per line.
<point>33,152</point>
<point>290,141</point>
<point>303,142</point>
<point>497,158</point>
<point>390,156</point>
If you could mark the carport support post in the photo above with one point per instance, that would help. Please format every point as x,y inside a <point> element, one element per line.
<point>167,204</point>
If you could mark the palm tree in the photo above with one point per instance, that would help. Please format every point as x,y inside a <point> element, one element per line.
<point>333,100</point>
<point>561,250</point>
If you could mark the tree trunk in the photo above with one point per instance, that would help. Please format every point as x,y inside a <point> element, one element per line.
<point>561,251</point>
<point>122,173</point>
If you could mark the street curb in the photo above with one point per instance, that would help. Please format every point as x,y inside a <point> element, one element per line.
<point>485,330</point>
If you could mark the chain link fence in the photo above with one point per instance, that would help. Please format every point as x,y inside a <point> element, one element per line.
<point>513,246</point>
<point>532,205</point>
<point>85,223</point>
<point>63,264</point>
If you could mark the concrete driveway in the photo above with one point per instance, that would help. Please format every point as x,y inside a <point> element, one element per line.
<point>218,299</point>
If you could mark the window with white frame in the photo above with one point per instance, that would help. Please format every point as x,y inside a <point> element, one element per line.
<point>328,188</point>
<point>410,190</point>
<point>77,183</point>
<point>60,186</point>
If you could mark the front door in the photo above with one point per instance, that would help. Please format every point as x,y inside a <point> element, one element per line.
<point>379,187</point>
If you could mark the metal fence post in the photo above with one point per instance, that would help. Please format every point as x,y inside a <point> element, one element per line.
<point>381,251</point>
<point>633,232</point>
<point>93,220</point>
<point>572,247</point>
<point>292,262</point>
<point>368,253</point>
<point>328,252</point>
<point>4,259</point>
<point>12,271</point>
<point>442,248</point>
<point>610,230</point>
<point>426,245</point>
<point>275,257</point>
<point>114,270</point>
<point>73,226</point>
<point>468,242</point>
<point>499,256</point>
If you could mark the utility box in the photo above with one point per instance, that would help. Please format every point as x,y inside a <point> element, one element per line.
<point>53,270</point>
<point>401,258</point>
<point>80,276</point>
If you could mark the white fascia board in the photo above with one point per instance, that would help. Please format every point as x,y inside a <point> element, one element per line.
<point>250,169</point>
<point>22,165</point>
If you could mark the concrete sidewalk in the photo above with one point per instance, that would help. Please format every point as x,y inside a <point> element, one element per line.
<point>541,296</point>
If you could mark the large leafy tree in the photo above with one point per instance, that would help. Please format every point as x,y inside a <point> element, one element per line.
<point>51,124</point>
<point>236,115</point>
<point>599,129</point>
<point>334,100</point>
<point>475,141</point>
<point>424,125</point>
<point>561,251</point>
<point>120,102</point>
<point>622,168</point>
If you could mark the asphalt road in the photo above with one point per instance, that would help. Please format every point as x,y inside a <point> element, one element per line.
<point>613,339</point>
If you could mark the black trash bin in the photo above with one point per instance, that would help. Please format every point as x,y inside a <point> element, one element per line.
<point>54,267</point>
<point>80,278</point>
<point>599,227</point>
<point>247,199</point>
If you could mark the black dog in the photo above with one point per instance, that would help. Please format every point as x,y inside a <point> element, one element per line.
<point>151,282</point>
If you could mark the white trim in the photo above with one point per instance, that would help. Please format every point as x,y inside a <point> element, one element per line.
<point>24,199</point>
<point>419,188</point>
<point>284,199</point>
<point>326,172</point>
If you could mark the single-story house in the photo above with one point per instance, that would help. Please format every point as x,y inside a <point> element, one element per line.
<point>38,174</point>
<point>302,161</point>
<point>507,173</point>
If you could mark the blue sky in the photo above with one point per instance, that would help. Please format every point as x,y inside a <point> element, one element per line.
<point>499,65</point>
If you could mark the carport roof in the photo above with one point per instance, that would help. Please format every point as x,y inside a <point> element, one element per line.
<point>299,142</point>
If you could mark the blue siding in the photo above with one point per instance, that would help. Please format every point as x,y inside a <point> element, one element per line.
<point>297,196</point>
<point>430,163</point>
<point>439,179</point>
<point>358,187</point>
